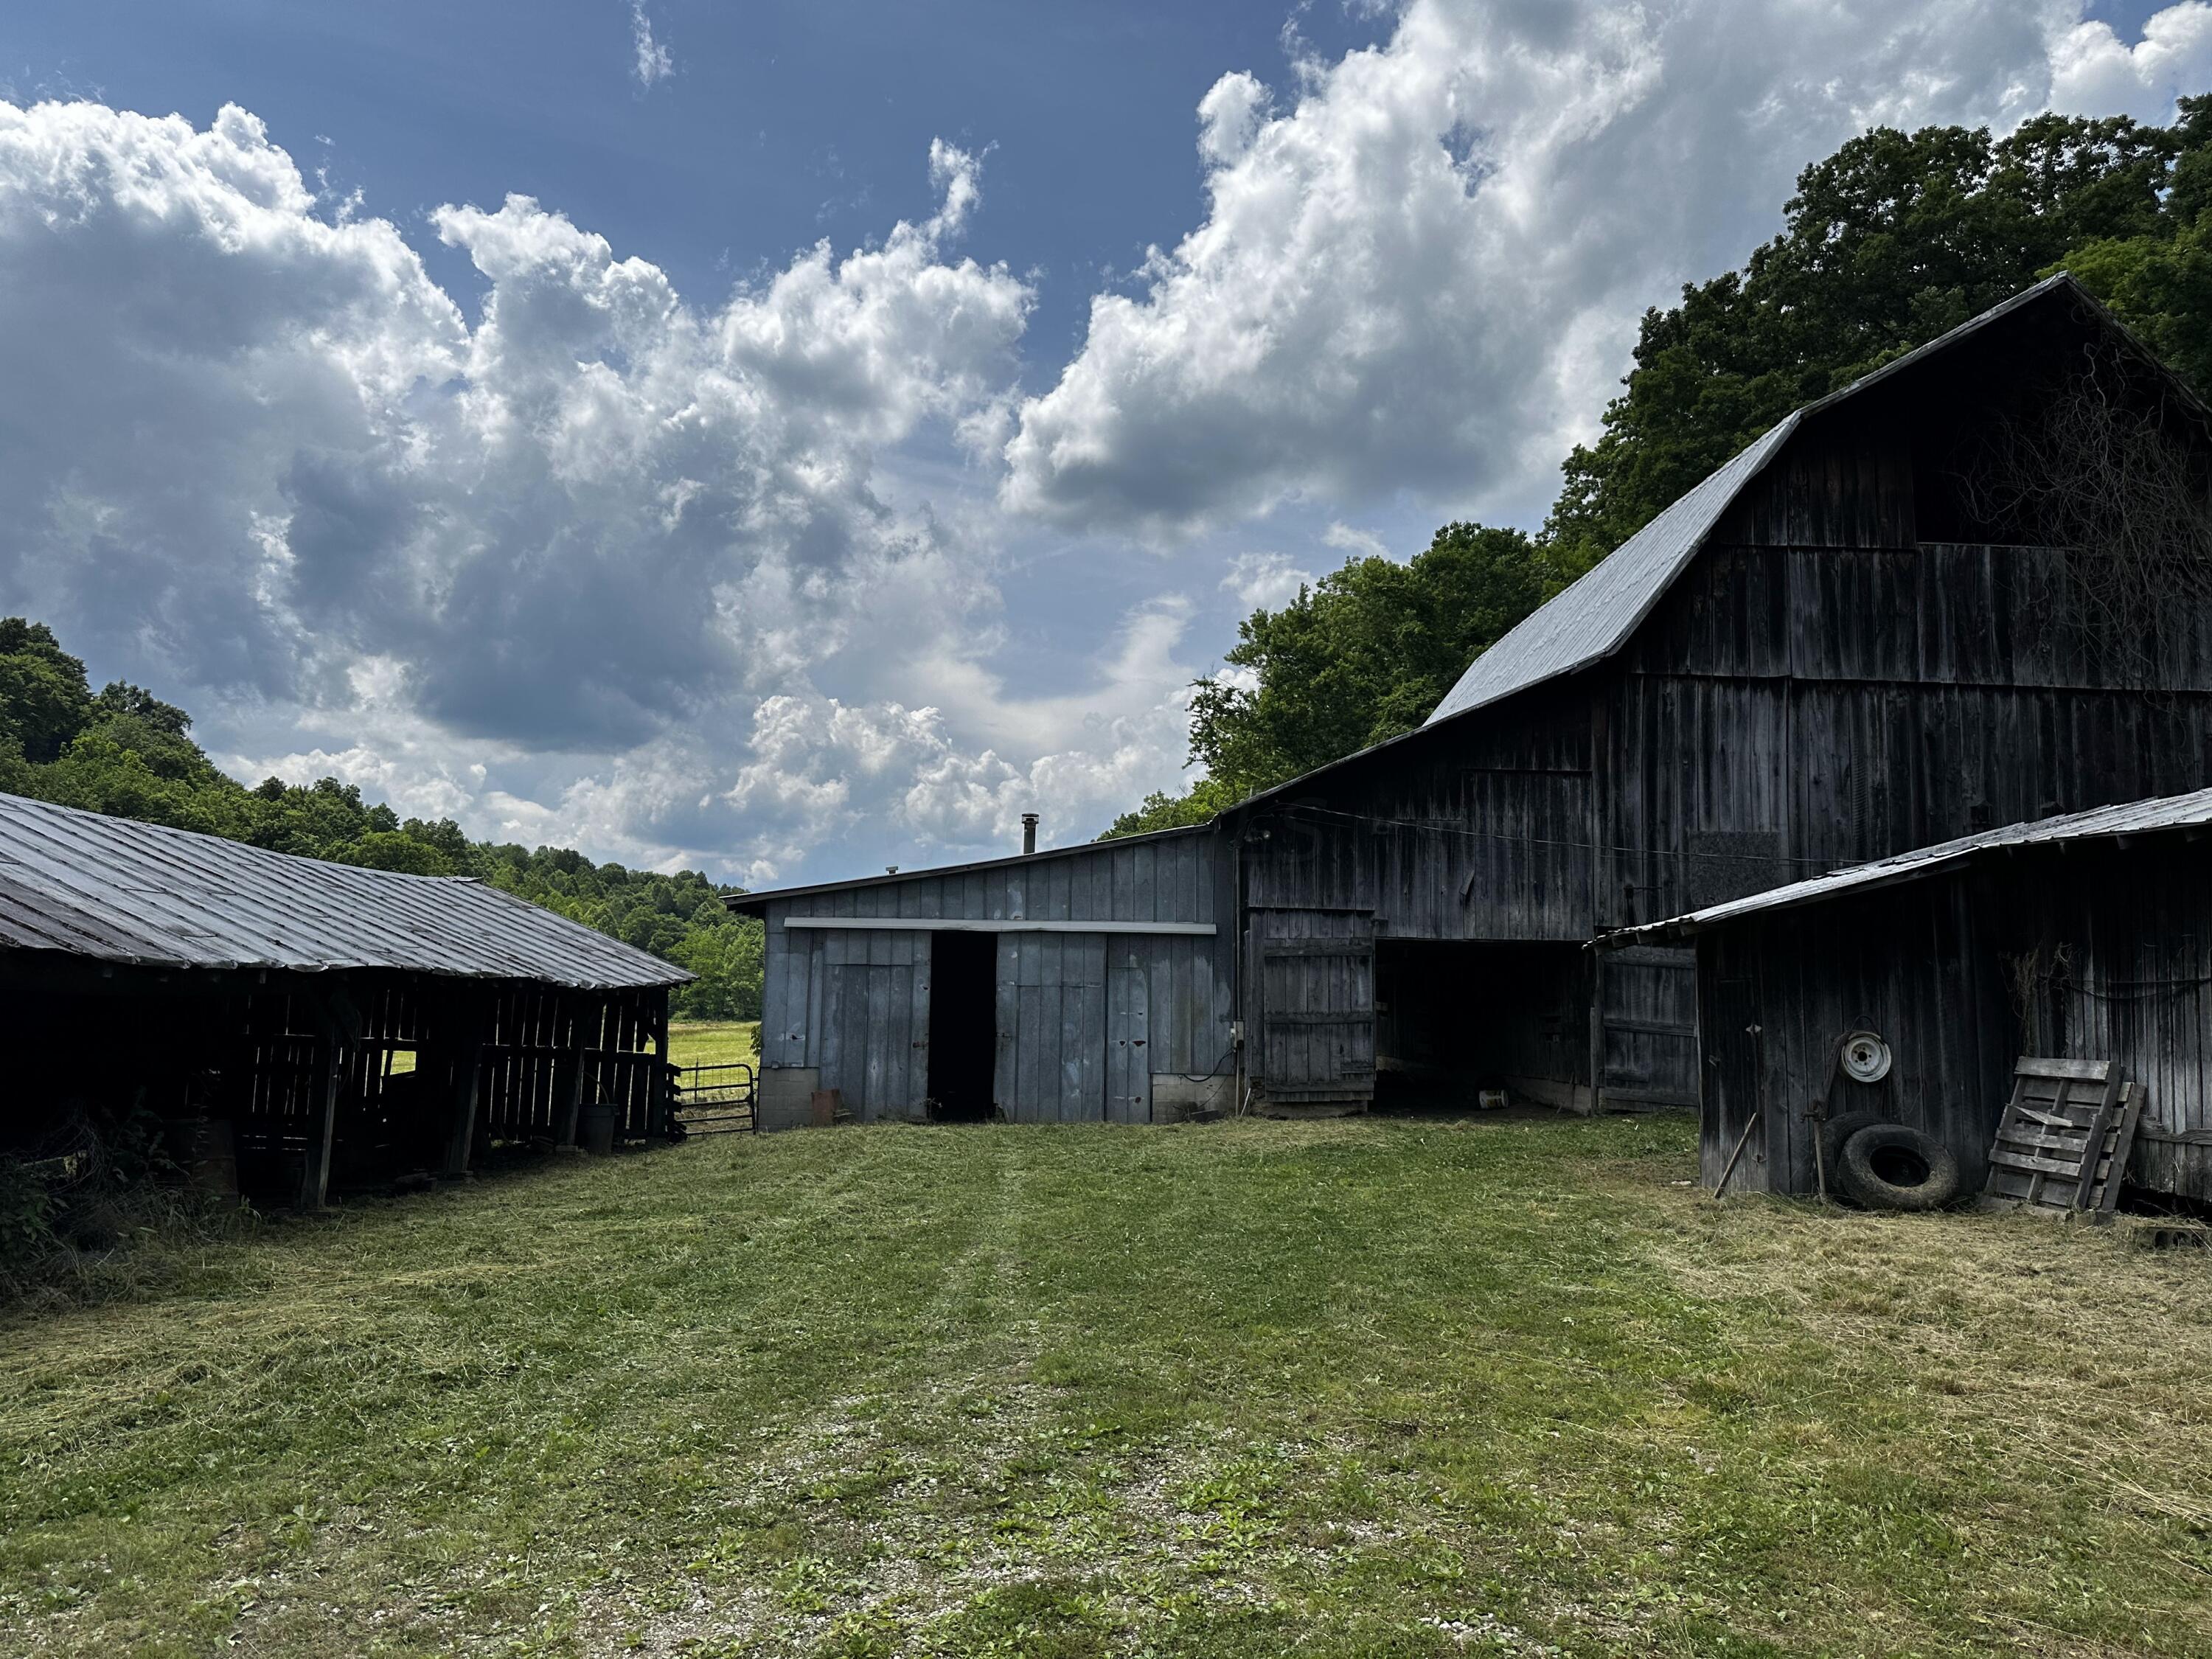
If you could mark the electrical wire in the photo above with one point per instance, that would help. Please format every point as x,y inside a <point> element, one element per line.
<point>1371,819</point>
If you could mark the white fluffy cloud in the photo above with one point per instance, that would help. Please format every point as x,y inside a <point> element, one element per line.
<point>1424,272</point>
<point>2094,72</point>
<point>606,566</point>
<point>254,449</point>
<point>1265,580</point>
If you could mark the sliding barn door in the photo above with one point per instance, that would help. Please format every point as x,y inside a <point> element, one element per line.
<point>1312,973</point>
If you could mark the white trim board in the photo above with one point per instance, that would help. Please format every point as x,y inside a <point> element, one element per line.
<point>1002,925</point>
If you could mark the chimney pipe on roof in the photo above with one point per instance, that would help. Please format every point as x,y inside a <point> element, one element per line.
<point>1028,833</point>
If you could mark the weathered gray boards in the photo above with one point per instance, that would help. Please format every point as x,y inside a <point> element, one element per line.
<point>1845,643</point>
<point>1834,649</point>
<point>2086,937</point>
<point>1092,984</point>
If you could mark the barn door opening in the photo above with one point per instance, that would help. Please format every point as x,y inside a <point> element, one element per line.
<point>1455,1017</point>
<point>962,1025</point>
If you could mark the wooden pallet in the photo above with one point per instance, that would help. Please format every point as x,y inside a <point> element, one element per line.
<point>2061,1146</point>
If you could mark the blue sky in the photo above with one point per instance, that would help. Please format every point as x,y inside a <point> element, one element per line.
<point>628,521</point>
<point>781,123</point>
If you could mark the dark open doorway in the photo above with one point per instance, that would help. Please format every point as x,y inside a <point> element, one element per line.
<point>963,1025</point>
<point>1456,1018</point>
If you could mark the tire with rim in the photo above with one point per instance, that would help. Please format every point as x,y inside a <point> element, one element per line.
<point>1889,1166</point>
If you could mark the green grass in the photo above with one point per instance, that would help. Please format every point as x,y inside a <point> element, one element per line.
<point>1369,1388</point>
<point>713,1042</point>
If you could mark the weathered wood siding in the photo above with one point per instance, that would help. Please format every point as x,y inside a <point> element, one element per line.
<point>1481,830</point>
<point>2093,953</point>
<point>1084,1020</point>
<point>1819,688</point>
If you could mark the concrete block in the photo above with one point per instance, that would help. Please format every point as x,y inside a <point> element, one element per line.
<point>1176,1098</point>
<point>785,1100</point>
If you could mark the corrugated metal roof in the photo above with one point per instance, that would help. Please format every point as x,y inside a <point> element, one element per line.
<point>2129,818</point>
<point>1592,618</point>
<point>756,904</point>
<point>118,890</point>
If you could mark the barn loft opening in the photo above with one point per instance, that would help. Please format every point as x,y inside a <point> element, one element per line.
<point>1453,1017</point>
<point>964,1032</point>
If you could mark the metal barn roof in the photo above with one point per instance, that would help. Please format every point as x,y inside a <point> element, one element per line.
<point>2129,818</point>
<point>114,890</point>
<point>1592,618</point>
<point>756,904</point>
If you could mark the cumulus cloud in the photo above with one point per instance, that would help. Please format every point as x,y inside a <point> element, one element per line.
<point>1358,543</point>
<point>650,61</point>
<point>1423,273</point>
<point>1265,580</point>
<point>594,519</point>
<point>2094,72</point>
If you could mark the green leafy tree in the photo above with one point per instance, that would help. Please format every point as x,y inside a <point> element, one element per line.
<point>1890,241</point>
<point>1162,811</point>
<point>1362,655</point>
<point>44,700</point>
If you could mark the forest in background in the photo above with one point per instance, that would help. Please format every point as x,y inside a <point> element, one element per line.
<point>124,752</point>
<point>1895,238</point>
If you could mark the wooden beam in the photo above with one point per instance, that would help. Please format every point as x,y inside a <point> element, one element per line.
<point>572,1106</point>
<point>322,1131</point>
<point>467,1085</point>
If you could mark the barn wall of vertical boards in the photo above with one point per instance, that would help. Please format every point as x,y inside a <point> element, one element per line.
<point>1850,665</point>
<point>1082,1022</point>
<point>2092,952</point>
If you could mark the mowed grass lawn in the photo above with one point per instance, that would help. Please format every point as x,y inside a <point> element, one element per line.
<point>714,1043</point>
<point>1370,1387</point>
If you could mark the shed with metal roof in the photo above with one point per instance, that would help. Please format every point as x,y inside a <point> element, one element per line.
<point>319,1023</point>
<point>2083,936</point>
<point>1083,984</point>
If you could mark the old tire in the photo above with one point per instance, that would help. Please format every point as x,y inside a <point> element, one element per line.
<point>1889,1166</point>
<point>1838,1130</point>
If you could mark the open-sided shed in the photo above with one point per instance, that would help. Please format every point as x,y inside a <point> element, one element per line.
<point>326,1025</point>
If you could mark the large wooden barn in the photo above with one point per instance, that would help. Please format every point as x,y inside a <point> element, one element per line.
<point>2086,937</point>
<point>313,1025</point>
<point>1874,630</point>
<point>1865,634</point>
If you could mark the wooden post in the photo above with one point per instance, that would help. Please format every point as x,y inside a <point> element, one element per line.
<point>571,1104</point>
<point>657,1102</point>
<point>467,1084</point>
<point>1597,1032</point>
<point>322,1131</point>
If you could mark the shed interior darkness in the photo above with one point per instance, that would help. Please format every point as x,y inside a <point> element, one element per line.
<point>1457,1015</point>
<point>963,1025</point>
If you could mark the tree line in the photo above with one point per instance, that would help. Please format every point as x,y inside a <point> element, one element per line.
<point>1895,238</point>
<point>124,752</point>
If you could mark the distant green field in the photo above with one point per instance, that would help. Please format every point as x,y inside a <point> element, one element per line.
<point>713,1042</point>
<point>1229,1391</point>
